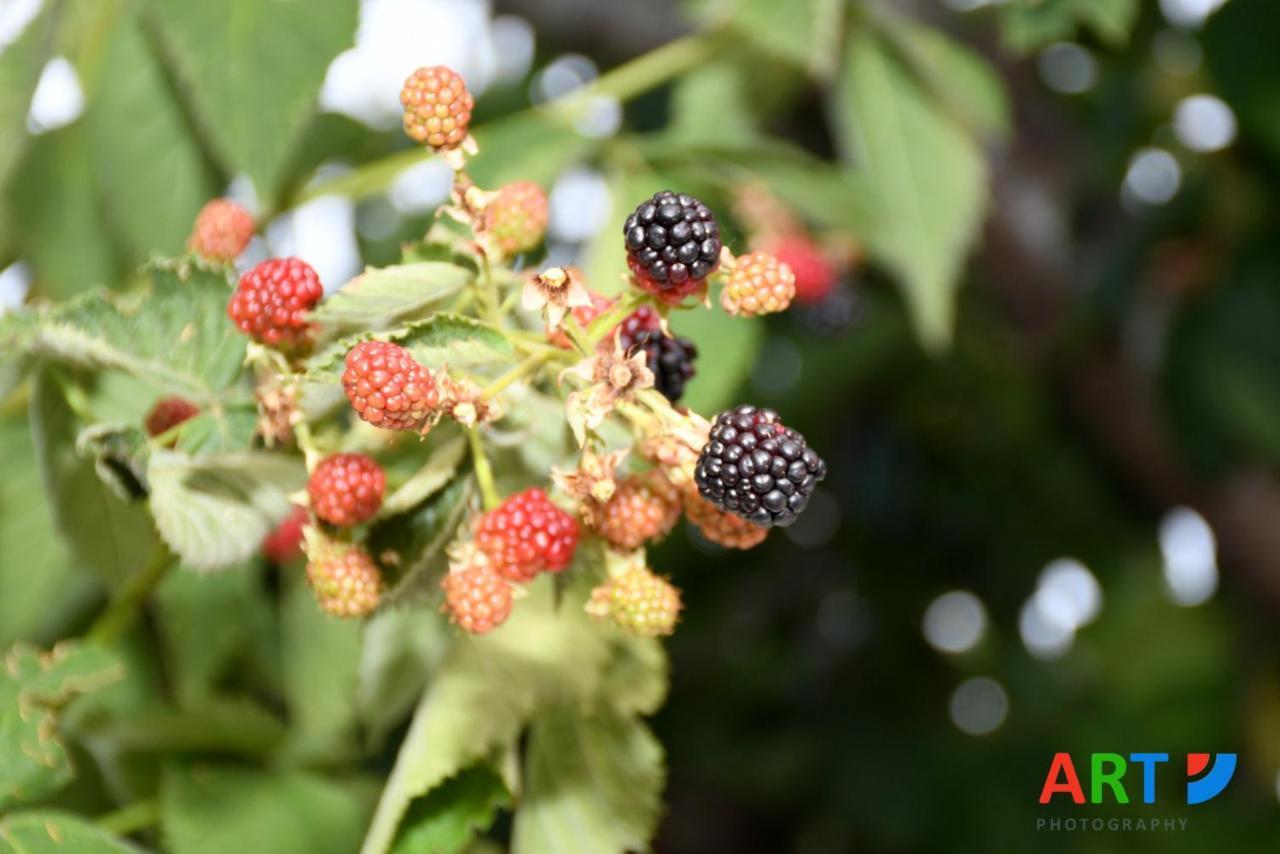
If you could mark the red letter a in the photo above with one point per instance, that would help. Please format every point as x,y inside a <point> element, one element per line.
<point>1061,766</point>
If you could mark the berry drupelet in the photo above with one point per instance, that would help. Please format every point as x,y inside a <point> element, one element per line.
<point>671,358</point>
<point>673,244</point>
<point>756,467</point>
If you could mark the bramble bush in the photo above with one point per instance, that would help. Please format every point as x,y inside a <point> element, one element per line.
<point>296,572</point>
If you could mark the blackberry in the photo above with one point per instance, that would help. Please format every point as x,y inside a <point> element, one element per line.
<point>673,244</point>
<point>757,468</point>
<point>670,358</point>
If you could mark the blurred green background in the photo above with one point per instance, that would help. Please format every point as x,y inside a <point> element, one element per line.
<point>1048,393</point>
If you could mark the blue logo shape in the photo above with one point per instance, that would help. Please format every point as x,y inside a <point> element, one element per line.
<point>1210,785</point>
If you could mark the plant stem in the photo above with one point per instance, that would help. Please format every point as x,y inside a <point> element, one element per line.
<point>577,336</point>
<point>625,82</point>
<point>520,369</point>
<point>484,472</point>
<point>129,598</point>
<point>489,293</point>
<point>128,820</point>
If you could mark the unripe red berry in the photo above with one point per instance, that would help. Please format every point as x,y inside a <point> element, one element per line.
<point>639,602</point>
<point>644,507</point>
<point>815,275</point>
<point>525,535</point>
<point>388,388</point>
<point>476,598</point>
<point>272,301</point>
<point>721,527</point>
<point>222,231</point>
<point>346,581</point>
<point>437,107</point>
<point>758,284</point>
<point>347,489</point>
<point>284,544</point>
<point>169,412</point>
<point>515,219</point>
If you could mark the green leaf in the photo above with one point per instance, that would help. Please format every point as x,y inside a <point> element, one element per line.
<point>593,784</point>
<point>33,686</point>
<point>175,334</point>
<point>321,657</point>
<point>47,831</point>
<point>219,429</point>
<point>214,511</point>
<point>413,544</point>
<point>960,77</point>
<point>484,691</point>
<point>525,147</point>
<point>20,65</point>
<point>441,339</point>
<point>379,297</point>
<point>712,104</point>
<point>449,817</point>
<point>235,727</point>
<point>106,534</point>
<point>635,680</point>
<point>1027,25</point>
<point>51,189</point>
<point>401,648</point>
<point>250,70</point>
<point>1242,60</point>
<point>807,33</point>
<point>119,454</point>
<point>221,808</point>
<point>735,341</point>
<point>925,177</point>
<point>207,621</point>
<point>434,475</point>
<point>152,174</point>
<point>36,566</point>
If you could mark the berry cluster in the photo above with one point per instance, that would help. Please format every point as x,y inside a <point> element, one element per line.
<point>673,244</point>
<point>272,301</point>
<point>733,479</point>
<point>756,467</point>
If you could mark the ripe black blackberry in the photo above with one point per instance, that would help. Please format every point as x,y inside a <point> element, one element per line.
<point>670,358</point>
<point>757,468</point>
<point>673,244</point>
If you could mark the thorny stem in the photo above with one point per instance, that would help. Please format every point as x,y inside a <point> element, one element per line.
<point>129,598</point>
<point>130,819</point>
<point>484,472</point>
<point>625,82</point>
